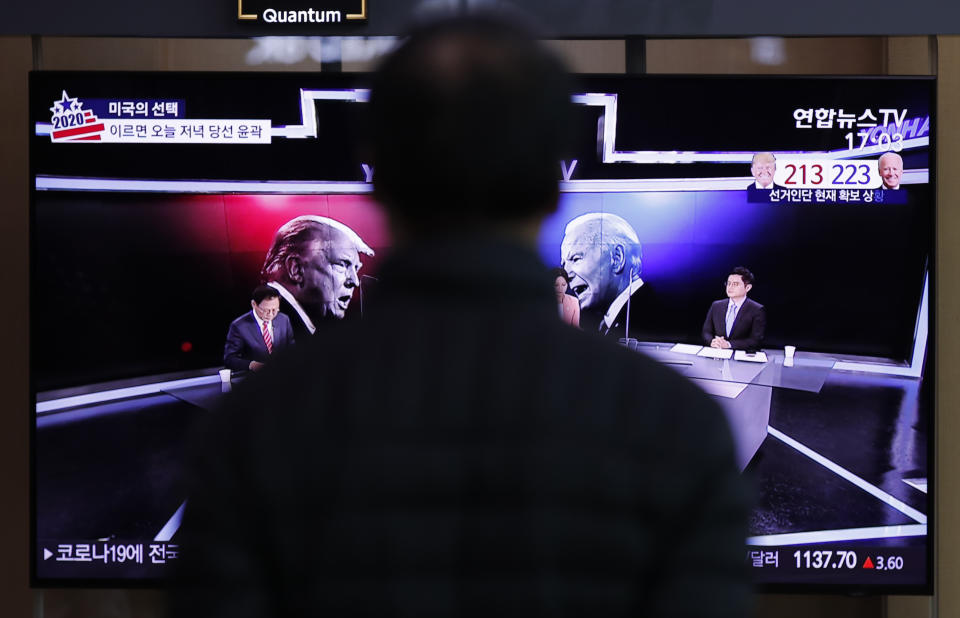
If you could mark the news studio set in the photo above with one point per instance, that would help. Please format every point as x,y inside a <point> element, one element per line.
<point>156,199</point>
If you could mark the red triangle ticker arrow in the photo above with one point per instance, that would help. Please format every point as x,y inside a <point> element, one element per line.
<point>868,563</point>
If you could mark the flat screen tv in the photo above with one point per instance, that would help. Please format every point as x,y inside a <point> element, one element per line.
<point>158,199</point>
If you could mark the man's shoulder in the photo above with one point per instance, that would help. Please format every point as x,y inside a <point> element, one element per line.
<point>650,400</point>
<point>242,319</point>
<point>752,304</point>
<point>720,304</point>
<point>630,398</point>
<point>634,370</point>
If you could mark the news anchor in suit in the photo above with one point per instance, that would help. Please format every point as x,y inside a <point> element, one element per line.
<point>736,322</point>
<point>255,336</point>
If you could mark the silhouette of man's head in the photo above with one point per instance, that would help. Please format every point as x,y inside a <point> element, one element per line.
<point>469,119</point>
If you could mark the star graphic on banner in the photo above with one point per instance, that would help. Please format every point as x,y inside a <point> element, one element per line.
<point>63,104</point>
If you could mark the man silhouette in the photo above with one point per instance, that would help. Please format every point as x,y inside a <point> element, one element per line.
<point>430,460</point>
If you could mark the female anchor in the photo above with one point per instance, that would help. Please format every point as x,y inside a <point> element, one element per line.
<point>567,306</point>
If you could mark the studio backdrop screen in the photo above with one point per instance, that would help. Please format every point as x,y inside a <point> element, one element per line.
<point>161,200</point>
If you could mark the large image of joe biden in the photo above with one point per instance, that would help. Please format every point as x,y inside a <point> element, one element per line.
<point>603,256</point>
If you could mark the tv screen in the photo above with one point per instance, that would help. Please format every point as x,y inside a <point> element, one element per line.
<point>803,205</point>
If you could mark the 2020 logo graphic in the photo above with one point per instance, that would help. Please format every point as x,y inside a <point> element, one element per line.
<point>72,123</point>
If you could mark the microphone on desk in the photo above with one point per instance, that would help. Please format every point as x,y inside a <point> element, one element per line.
<point>360,288</point>
<point>626,340</point>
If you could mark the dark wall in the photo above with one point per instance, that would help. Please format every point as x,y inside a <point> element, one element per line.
<point>560,18</point>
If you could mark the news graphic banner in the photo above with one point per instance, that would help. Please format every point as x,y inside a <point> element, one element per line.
<point>147,122</point>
